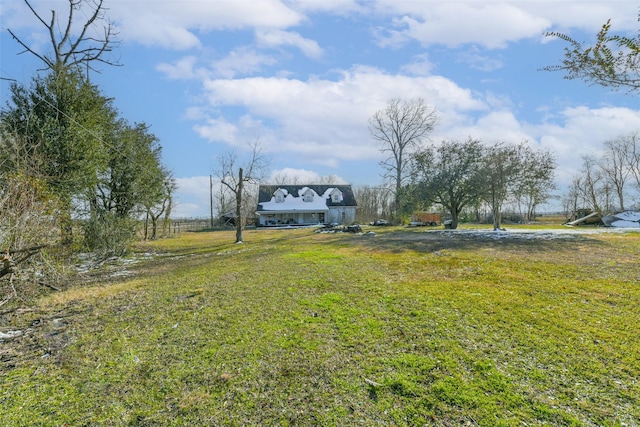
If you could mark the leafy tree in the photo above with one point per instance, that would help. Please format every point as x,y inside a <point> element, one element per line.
<point>60,122</point>
<point>449,174</point>
<point>536,182</point>
<point>612,61</point>
<point>399,129</point>
<point>61,115</point>
<point>502,167</point>
<point>133,153</point>
<point>236,177</point>
<point>134,181</point>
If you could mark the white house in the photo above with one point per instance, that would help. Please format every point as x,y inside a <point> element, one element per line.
<point>306,204</point>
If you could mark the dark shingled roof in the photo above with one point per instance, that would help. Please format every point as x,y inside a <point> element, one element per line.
<point>348,199</point>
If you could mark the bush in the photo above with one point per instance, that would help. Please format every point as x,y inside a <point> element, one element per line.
<point>107,234</point>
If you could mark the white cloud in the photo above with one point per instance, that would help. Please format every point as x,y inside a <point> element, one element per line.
<point>182,69</point>
<point>218,129</point>
<point>192,196</point>
<point>177,25</point>
<point>479,61</point>
<point>277,38</point>
<point>419,66</point>
<point>580,130</point>
<point>336,7</point>
<point>452,24</point>
<point>494,24</point>
<point>323,120</point>
<point>243,60</point>
<point>301,176</point>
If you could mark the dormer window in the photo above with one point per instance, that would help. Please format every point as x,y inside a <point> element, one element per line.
<point>279,196</point>
<point>308,196</point>
<point>336,197</point>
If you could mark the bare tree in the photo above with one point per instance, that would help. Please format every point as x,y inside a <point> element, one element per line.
<point>285,179</point>
<point>160,204</point>
<point>591,179</point>
<point>91,45</point>
<point>329,180</point>
<point>373,202</point>
<point>614,166</point>
<point>399,129</point>
<point>632,155</point>
<point>235,177</point>
<point>572,198</point>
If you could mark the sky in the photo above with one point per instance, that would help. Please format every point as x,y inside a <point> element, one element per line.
<point>302,78</point>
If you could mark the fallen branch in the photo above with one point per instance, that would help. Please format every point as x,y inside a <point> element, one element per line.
<point>9,265</point>
<point>13,289</point>
<point>35,248</point>
<point>40,282</point>
<point>371,382</point>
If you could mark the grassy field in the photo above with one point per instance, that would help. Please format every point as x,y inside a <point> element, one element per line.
<point>407,327</point>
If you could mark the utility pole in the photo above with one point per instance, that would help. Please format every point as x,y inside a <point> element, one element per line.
<point>211,197</point>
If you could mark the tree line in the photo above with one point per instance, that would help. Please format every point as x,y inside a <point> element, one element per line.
<point>456,175</point>
<point>605,183</point>
<point>73,171</point>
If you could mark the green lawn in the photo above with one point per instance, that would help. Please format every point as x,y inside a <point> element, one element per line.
<point>407,327</point>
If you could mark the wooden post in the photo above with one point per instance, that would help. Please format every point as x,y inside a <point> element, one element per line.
<point>239,208</point>
<point>211,198</point>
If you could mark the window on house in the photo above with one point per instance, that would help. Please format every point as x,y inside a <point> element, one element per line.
<point>308,196</point>
<point>279,197</point>
<point>335,197</point>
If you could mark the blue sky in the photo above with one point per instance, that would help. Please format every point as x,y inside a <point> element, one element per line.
<point>303,77</point>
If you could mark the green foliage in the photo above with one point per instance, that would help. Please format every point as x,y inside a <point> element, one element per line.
<point>27,211</point>
<point>612,61</point>
<point>60,121</point>
<point>63,131</point>
<point>459,175</point>
<point>109,234</point>
<point>296,328</point>
<point>449,175</point>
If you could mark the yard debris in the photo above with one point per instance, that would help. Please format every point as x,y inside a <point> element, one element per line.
<point>591,218</point>
<point>371,382</point>
<point>335,228</point>
<point>10,335</point>
<point>626,219</point>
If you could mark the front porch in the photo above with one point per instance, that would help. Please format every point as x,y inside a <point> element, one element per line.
<point>274,218</point>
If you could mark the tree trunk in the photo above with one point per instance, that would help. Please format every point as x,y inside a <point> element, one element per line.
<point>239,208</point>
<point>497,216</point>
<point>146,227</point>
<point>154,227</point>
<point>455,216</point>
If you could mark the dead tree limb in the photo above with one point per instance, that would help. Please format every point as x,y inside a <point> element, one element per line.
<point>13,293</point>
<point>9,265</point>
